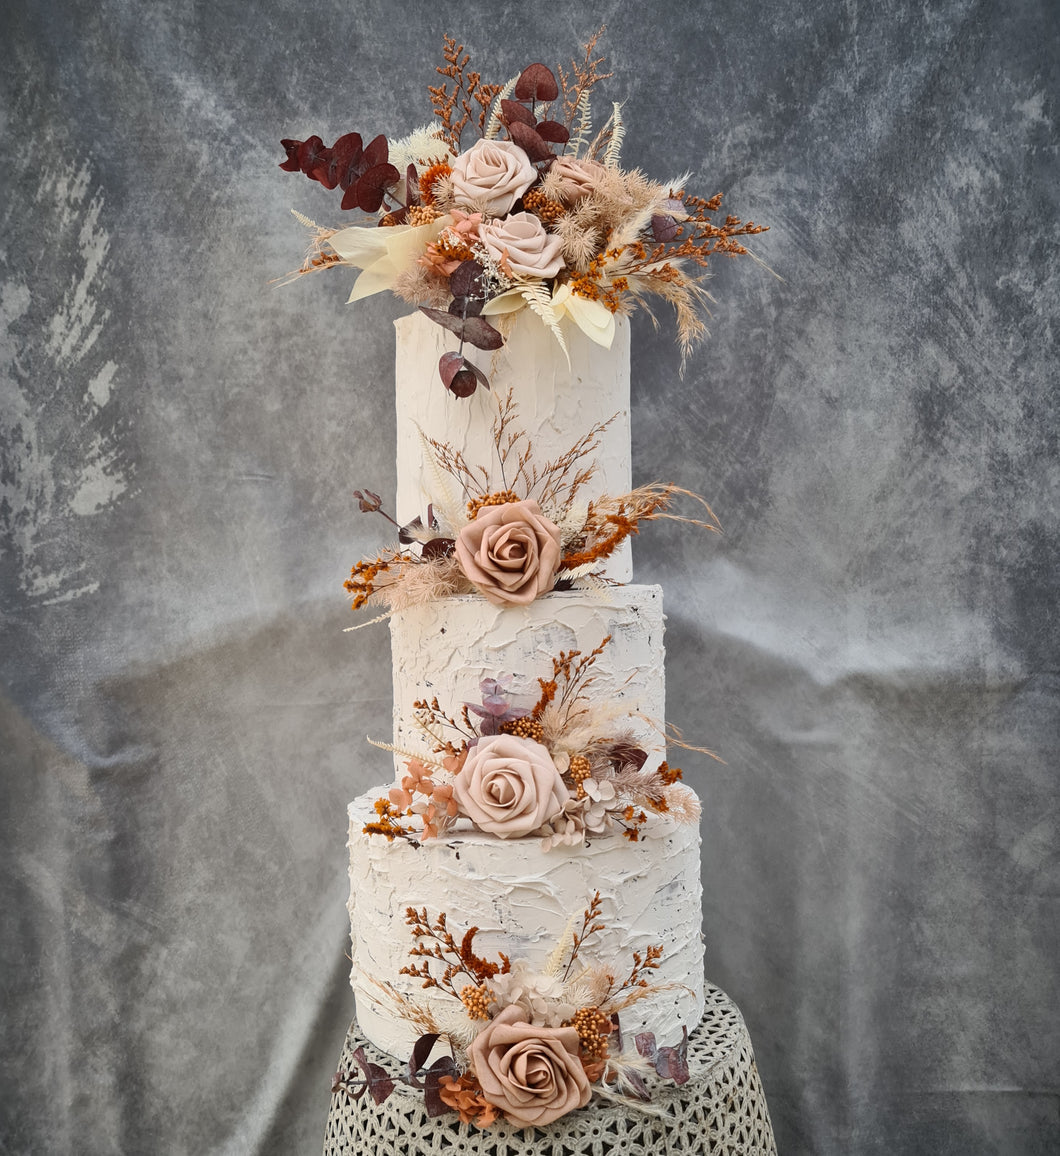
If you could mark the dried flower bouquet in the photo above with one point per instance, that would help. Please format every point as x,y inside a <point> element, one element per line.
<point>514,544</point>
<point>527,1047</point>
<point>537,213</point>
<point>562,770</point>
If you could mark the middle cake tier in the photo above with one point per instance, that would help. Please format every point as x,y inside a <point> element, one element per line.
<point>446,648</point>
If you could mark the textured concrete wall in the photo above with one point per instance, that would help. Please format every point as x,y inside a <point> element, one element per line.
<point>872,646</point>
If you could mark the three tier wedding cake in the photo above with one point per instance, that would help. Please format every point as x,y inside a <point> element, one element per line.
<point>525,899</point>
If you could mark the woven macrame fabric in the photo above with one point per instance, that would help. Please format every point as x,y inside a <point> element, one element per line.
<point>721,1109</point>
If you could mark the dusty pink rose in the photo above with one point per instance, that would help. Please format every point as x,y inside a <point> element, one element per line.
<point>491,176</point>
<point>509,786</point>
<point>575,179</point>
<point>520,243</point>
<point>510,553</point>
<point>533,1075</point>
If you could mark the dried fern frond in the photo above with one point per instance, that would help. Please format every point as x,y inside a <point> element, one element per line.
<point>406,754</point>
<point>493,125</point>
<point>538,296</point>
<point>618,135</point>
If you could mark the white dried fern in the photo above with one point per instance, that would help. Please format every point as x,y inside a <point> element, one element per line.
<point>493,125</point>
<point>618,135</point>
<point>406,754</point>
<point>562,949</point>
<point>585,124</point>
<point>539,297</point>
<point>448,507</point>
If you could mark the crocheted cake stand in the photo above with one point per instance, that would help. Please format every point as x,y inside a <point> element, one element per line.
<point>721,1109</point>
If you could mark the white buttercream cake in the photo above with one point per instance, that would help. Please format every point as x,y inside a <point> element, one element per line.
<point>521,899</point>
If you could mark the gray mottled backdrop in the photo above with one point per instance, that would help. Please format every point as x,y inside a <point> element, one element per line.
<point>872,646</point>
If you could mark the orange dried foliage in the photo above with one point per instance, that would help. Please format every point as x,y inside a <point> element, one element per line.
<point>456,108</point>
<point>465,1095</point>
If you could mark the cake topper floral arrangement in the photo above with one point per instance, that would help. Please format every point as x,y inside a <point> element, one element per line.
<point>535,213</point>
<point>510,545</point>
<point>528,1047</point>
<point>566,769</point>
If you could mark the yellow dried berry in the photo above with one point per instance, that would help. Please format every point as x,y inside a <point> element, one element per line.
<point>477,1001</point>
<point>422,214</point>
<point>500,498</point>
<point>524,728</point>
<point>593,1029</point>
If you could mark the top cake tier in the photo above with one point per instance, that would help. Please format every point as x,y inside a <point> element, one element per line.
<point>557,404</point>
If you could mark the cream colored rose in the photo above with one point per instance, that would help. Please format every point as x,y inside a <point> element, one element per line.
<point>509,786</point>
<point>573,179</point>
<point>491,176</point>
<point>533,1075</point>
<point>510,553</point>
<point>521,243</point>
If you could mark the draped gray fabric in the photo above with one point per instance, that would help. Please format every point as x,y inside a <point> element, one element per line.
<point>871,646</point>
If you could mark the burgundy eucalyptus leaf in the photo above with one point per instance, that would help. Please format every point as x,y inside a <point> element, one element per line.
<point>552,130</point>
<point>380,1085</point>
<point>627,755</point>
<point>338,1082</point>
<point>466,306</point>
<point>377,152</point>
<point>664,228</point>
<point>466,280</point>
<point>616,1030</point>
<point>636,1082</point>
<point>439,548</point>
<point>672,1066</point>
<point>530,142</point>
<point>536,82</point>
<point>346,156</point>
<point>432,1096</point>
<point>420,1052</point>
<point>479,333</point>
<point>368,502</point>
<point>412,186</point>
<point>645,1042</point>
<point>514,112</point>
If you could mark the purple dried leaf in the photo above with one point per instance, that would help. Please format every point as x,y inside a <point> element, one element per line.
<point>530,141</point>
<point>664,228</point>
<point>459,376</point>
<point>553,131</point>
<point>515,112</point>
<point>466,280</point>
<point>439,548</point>
<point>432,1096</point>
<point>672,1063</point>
<point>466,306</point>
<point>536,82</point>
<point>420,1052</point>
<point>637,1084</point>
<point>474,330</point>
<point>380,1085</point>
<point>645,1042</point>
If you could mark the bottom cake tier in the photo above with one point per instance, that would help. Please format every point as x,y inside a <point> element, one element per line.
<point>720,1109</point>
<point>525,902</point>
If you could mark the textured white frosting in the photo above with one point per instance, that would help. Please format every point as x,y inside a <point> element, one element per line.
<point>448,646</point>
<point>557,405</point>
<point>521,898</point>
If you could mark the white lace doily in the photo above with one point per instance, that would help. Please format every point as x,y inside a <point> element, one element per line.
<point>721,1109</point>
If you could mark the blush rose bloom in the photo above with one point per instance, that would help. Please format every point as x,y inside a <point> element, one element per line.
<point>491,176</point>
<point>509,786</point>
<point>533,1075</point>
<point>521,243</point>
<point>575,179</point>
<point>510,553</point>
